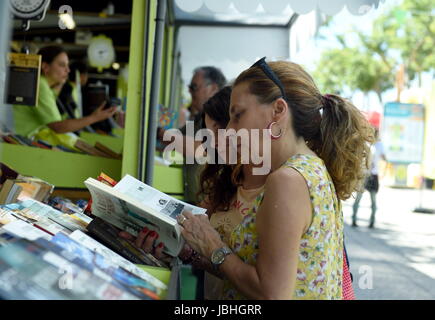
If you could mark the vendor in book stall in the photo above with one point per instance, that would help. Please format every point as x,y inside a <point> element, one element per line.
<point>44,121</point>
<point>290,245</point>
<point>68,97</point>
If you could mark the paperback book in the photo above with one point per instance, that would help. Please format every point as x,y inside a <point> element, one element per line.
<point>132,205</point>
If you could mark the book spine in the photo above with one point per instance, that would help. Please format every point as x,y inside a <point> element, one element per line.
<point>106,179</point>
<point>21,140</point>
<point>10,140</point>
<point>38,145</point>
<point>44,143</point>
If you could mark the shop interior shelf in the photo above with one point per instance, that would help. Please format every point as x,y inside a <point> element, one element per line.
<point>62,169</point>
<point>114,143</point>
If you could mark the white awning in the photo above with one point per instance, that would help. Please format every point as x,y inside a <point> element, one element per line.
<point>271,12</point>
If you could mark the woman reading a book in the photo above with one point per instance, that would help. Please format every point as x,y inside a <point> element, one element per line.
<point>229,192</point>
<point>290,245</point>
<point>44,121</point>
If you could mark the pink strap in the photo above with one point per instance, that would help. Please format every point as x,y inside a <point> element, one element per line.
<point>348,293</point>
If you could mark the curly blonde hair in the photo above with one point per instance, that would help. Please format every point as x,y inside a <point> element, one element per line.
<point>332,126</point>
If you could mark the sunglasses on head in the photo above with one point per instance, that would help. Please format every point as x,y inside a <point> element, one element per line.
<point>270,74</point>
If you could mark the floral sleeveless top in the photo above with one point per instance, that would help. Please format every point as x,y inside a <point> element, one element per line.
<point>320,266</point>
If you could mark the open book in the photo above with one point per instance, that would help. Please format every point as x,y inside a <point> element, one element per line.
<point>132,205</point>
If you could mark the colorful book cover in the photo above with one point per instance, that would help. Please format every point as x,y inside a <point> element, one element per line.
<point>112,256</point>
<point>46,275</point>
<point>109,235</point>
<point>96,263</point>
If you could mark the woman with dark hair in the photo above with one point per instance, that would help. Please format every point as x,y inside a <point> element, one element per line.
<point>44,121</point>
<point>229,190</point>
<point>217,176</point>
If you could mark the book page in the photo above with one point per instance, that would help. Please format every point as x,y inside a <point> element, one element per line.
<point>126,213</point>
<point>6,217</point>
<point>36,211</point>
<point>24,230</point>
<point>154,198</point>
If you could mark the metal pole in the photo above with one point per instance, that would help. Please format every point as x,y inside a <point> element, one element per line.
<point>155,89</point>
<point>176,59</point>
<point>141,155</point>
<point>5,28</point>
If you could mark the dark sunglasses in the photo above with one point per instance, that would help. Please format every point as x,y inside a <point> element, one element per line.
<point>193,87</point>
<point>270,74</point>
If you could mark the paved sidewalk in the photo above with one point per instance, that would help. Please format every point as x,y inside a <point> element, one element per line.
<point>399,252</point>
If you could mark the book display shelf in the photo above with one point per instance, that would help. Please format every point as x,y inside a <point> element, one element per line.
<point>114,143</point>
<point>67,171</point>
<point>62,169</point>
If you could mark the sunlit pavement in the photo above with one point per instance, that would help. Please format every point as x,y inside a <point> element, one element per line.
<point>399,253</point>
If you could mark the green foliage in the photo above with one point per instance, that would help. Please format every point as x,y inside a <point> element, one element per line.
<point>404,35</point>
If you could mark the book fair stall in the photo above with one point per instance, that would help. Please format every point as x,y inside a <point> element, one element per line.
<point>64,199</point>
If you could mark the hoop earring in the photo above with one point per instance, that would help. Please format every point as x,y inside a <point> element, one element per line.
<point>274,137</point>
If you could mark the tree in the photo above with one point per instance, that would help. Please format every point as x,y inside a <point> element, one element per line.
<point>405,35</point>
<point>352,69</point>
<point>410,30</point>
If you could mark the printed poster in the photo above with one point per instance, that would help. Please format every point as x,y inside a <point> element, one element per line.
<point>403,132</point>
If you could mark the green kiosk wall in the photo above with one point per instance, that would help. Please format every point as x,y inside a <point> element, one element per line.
<point>166,179</point>
<point>67,170</point>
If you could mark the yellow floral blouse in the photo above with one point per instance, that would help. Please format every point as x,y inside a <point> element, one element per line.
<point>320,265</point>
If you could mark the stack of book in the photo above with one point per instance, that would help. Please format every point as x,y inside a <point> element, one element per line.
<point>99,150</point>
<point>78,254</point>
<point>45,254</point>
<point>23,141</point>
<point>14,187</point>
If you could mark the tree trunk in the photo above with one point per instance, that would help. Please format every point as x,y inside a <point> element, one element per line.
<point>379,94</point>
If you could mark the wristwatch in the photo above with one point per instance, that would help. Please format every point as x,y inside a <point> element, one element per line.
<point>218,257</point>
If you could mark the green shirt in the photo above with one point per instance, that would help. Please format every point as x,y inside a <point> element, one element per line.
<point>29,120</point>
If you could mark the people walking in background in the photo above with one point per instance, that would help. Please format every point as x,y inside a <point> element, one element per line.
<point>372,181</point>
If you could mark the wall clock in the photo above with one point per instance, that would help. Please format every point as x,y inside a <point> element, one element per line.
<point>28,10</point>
<point>101,53</point>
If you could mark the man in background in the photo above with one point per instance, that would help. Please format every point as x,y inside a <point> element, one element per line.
<point>205,83</point>
<point>372,181</point>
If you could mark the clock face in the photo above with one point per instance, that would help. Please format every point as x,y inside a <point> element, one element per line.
<point>28,8</point>
<point>101,52</point>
